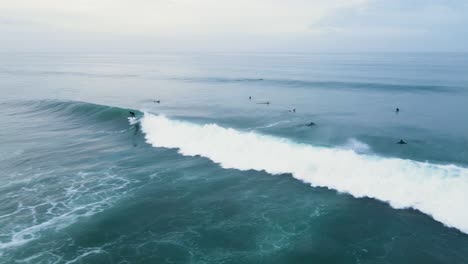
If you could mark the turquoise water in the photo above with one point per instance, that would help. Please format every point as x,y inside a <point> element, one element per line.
<point>209,176</point>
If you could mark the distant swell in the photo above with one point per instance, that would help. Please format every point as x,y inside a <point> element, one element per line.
<point>385,87</point>
<point>437,190</point>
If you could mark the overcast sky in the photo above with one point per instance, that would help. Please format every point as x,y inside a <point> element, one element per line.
<point>234,25</point>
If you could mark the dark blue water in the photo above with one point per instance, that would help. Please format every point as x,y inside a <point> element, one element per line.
<point>209,176</point>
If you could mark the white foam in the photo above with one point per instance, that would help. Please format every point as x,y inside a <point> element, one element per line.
<point>82,195</point>
<point>272,124</point>
<point>133,120</point>
<point>85,254</point>
<point>437,190</point>
<point>357,146</point>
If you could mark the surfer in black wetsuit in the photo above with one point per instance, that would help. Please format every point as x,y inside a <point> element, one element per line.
<point>401,142</point>
<point>311,124</point>
<point>157,101</point>
<point>250,97</point>
<point>136,125</point>
<point>397,110</point>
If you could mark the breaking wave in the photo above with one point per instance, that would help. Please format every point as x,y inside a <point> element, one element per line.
<point>434,189</point>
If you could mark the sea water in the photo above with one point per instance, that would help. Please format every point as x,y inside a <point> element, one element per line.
<point>208,175</point>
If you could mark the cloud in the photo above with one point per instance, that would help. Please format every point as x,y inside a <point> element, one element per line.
<point>236,25</point>
<point>175,16</point>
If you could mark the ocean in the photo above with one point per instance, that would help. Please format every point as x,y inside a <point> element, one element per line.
<point>207,175</point>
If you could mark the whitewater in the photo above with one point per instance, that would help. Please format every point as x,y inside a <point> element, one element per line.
<point>434,189</point>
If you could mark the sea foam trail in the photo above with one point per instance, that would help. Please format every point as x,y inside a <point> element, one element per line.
<point>437,190</point>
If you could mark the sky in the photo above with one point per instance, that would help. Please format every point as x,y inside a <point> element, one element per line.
<point>234,25</point>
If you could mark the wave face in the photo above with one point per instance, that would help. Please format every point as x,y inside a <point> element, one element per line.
<point>436,190</point>
<point>78,109</point>
<point>57,168</point>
